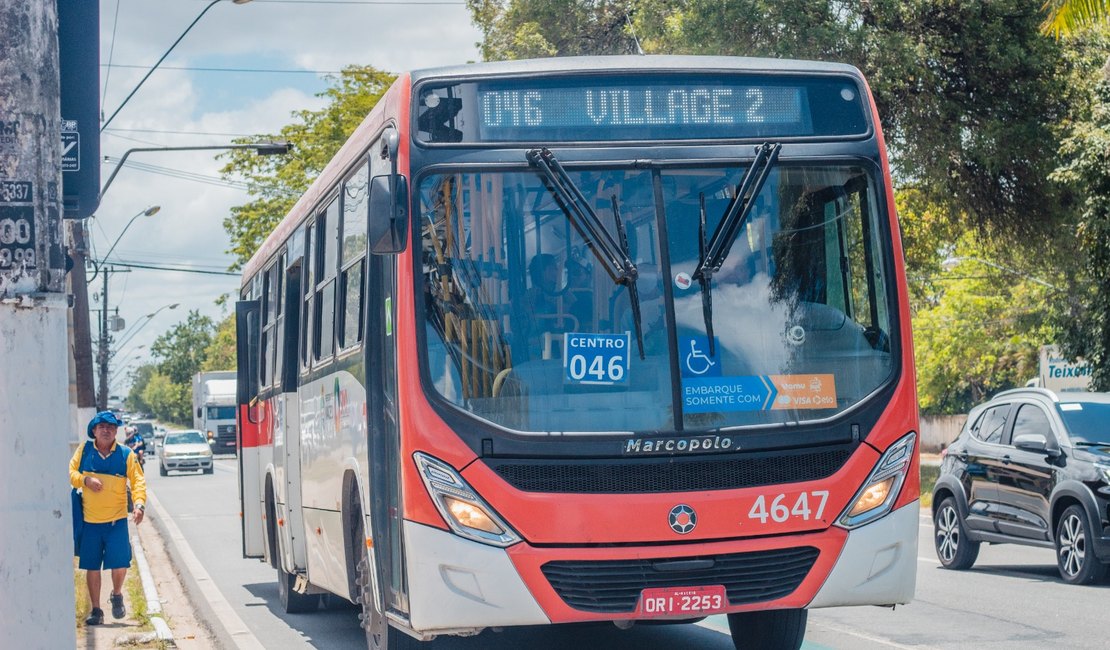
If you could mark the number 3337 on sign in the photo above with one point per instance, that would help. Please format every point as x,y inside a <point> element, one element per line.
<point>595,358</point>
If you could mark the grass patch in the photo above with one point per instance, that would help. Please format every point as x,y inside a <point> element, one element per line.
<point>929,475</point>
<point>134,586</point>
<point>81,593</point>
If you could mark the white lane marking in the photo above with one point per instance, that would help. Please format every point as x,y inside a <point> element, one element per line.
<point>928,560</point>
<point>236,628</point>
<point>839,629</point>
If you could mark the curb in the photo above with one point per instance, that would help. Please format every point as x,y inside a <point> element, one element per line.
<point>162,631</point>
<point>215,613</point>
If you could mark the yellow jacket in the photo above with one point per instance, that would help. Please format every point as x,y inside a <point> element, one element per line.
<point>110,503</point>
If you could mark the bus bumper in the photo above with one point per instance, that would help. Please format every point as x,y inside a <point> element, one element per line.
<point>878,564</point>
<point>457,584</point>
<point>461,585</point>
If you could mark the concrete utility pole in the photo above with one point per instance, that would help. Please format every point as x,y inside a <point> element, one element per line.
<point>36,547</point>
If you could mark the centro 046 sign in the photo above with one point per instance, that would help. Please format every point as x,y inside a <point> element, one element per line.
<point>595,358</point>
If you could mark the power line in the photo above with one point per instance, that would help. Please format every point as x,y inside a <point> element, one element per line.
<point>189,68</point>
<point>114,131</point>
<point>180,174</point>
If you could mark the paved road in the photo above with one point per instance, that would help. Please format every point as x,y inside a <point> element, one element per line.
<point>1013,597</point>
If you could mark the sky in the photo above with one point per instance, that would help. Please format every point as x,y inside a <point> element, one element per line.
<point>184,103</point>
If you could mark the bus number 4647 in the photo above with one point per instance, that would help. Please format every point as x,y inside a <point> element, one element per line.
<point>779,510</point>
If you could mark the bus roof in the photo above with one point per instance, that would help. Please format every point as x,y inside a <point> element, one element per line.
<point>573,64</point>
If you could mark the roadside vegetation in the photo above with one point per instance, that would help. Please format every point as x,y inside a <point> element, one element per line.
<point>137,609</point>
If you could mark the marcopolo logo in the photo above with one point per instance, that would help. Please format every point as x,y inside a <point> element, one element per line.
<point>634,446</point>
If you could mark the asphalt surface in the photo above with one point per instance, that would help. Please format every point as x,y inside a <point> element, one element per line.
<point>1012,598</point>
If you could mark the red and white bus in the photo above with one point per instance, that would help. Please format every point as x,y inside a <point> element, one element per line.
<point>588,339</point>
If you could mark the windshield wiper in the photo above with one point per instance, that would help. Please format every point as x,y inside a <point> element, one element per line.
<point>712,254</point>
<point>1089,443</point>
<point>612,254</point>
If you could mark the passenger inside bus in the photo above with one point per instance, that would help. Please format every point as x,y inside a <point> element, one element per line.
<point>547,317</point>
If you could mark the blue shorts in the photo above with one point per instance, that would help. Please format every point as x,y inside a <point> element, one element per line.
<point>105,546</point>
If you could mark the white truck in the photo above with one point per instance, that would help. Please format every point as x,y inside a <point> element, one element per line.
<point>214,409</point>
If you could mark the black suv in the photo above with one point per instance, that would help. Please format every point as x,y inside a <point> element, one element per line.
<point>1030,467</point>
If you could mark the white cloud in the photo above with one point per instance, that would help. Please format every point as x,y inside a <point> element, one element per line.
<point>178,108</point>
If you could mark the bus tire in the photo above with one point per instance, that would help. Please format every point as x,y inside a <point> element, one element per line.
<point>380,635</point>
<point>293,602</point>
<point>772,629</point>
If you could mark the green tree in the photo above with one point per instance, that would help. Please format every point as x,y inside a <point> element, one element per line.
<point>968,91</point>
<point>1085,327</point>
<point>180,352</point>
<point>276,182</point>
<point>982,331</point>
<point>140,377</point>
<point>526,29</point>
<point>1067,17</point>
<point>220,354</point>
<point>169,401</point>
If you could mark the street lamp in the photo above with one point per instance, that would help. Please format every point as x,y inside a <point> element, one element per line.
<point>120,349</point>
<point>149,212</point>
<point>127,336</point>
<point>163,58</point>
<point>950,263</point>
<point>261,148</point>
<point>102,354</point>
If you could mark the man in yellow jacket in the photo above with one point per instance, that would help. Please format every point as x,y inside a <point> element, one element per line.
<point>103,469</point>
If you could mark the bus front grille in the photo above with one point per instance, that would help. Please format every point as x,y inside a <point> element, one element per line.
<point>614,586</point>
<point>641,476</point>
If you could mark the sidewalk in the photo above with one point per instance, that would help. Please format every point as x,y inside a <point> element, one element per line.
<point>187,627</point>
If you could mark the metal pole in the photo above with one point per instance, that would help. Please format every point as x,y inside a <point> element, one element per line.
<point>36,539</point>
<point>82,340</point>
<point>102,354</point>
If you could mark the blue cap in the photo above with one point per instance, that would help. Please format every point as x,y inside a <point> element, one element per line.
<point>106,417</point>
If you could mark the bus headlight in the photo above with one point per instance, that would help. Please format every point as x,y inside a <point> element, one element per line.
<point>881,488</point>
<point>465,512</point>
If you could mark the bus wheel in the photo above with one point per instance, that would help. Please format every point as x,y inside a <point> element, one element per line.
<point>379,634</point>
<point>293,602</point>
<point>775,629</point>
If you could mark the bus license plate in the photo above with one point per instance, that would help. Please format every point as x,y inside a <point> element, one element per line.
<point>679,601</point>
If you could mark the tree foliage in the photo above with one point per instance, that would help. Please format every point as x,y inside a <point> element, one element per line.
<point>968,91</point>
<point>220,354</point>
<point>276,182</point>
<point>169,401</point>
<point>1085,326</point>
<point>1071,16</point>
<point>182,350</point>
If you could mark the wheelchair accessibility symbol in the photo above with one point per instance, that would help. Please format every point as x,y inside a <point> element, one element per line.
<point>697,362</point>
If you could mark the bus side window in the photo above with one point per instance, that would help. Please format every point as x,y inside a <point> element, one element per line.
<point>327,229</point>
<point>267,340</point>
<point>353,256</point>
<point>277,282</point>
<point>309,286</point>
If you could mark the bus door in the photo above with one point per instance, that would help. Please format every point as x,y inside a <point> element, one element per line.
<point>288,449</point>
<point>247,313</point>
<point>384,444</point>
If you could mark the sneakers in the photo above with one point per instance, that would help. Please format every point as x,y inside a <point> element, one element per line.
<point>118,610</point>
<point>96,617</point>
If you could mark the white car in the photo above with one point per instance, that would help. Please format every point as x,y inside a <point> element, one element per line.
<point>185,450</point>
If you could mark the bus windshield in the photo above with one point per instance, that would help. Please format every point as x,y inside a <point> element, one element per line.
<point>526,328</point>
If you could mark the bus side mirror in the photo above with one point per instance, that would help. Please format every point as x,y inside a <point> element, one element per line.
<point>389,211</point>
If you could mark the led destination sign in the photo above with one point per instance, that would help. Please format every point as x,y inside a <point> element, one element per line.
<point>641,108</point>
